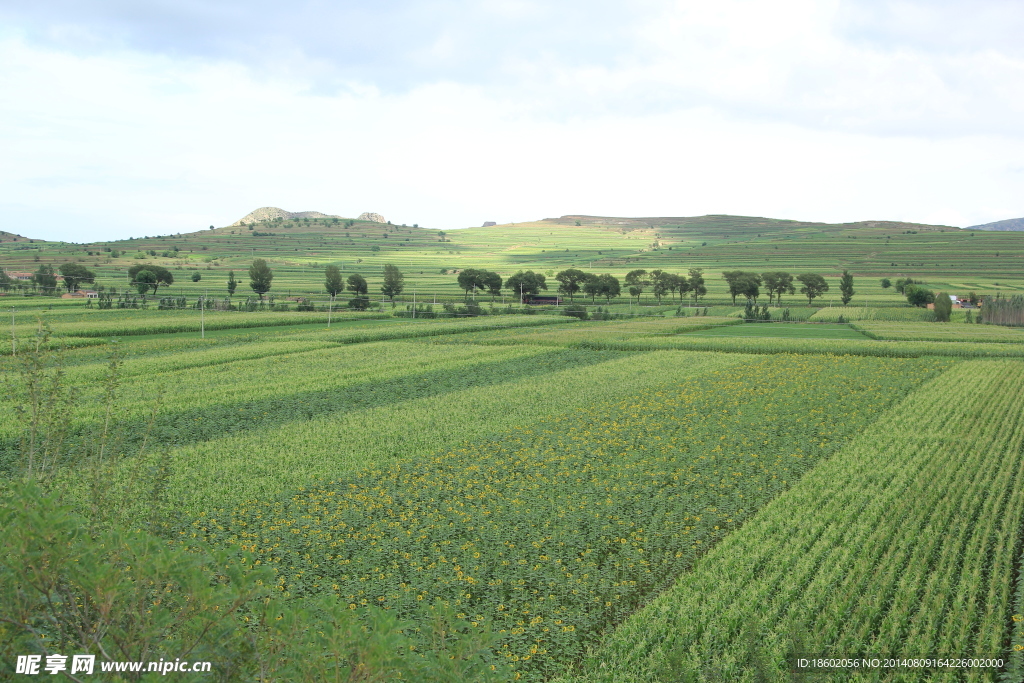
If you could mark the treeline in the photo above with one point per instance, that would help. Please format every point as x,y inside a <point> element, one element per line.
<point>778,282</point>
<point>1004,311</point>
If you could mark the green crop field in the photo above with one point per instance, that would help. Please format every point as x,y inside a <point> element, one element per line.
<point>660,491</point>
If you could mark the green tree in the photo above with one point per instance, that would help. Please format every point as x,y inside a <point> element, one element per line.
<point>393,281</point>
<point>197,276</point>
<point>232,283</point>
<point>570,281</point>
<point>526,284</point>
<point>886,283</point>
<point>492,281</point>
<point>144,279</point>
<point>697,286</point>
<point>44,278</point>
<point>846,287</point>
<point>778,282</point>
<point>732,278</point>
<point>918,295</point>
<point>637,280</point>
<point>357,284</point>
<point>662,283</point>
<point>471,279</point>
<point>742,283</point>
<point>260,277</point>
<point>332,280</point>
<point>750,286</point>
<point>591,286</point>
<point>76,274</point>
<point>943,307</point>
<point>814,286</point>
<point>163,276</point>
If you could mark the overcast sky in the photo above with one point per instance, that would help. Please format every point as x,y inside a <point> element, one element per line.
<point>143,117</point>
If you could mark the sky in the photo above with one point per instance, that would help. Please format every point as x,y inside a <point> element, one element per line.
<point>127,118</point>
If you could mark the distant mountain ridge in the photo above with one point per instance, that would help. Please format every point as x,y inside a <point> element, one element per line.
<point>1012,224</point>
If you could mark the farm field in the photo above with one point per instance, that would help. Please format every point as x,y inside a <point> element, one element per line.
<point>662,492</point>
<point>902,544</point>
<point>784,330</point>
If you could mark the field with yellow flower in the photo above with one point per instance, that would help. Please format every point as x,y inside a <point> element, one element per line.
<point>904,544</point>
<point>553,531</point>
<point>624,500</point>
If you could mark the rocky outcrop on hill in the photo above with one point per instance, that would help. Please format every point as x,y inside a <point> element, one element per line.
<point>269,213</point>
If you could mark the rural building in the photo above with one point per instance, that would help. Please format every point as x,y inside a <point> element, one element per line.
<point>81,294</point>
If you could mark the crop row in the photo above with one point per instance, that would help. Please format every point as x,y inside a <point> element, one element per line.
<point>169,322</point>
<point>899,314</point>
<point>276,458</point>
<point>946,332</point>
<point>558,529</point>
<point>265,393</point>
<point>903,544</point>
<point>774,345</point>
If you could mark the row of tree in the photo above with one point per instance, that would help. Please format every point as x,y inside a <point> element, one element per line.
<point>777,283</point>
<point>525,284</point>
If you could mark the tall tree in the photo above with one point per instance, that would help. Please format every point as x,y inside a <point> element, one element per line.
<point>526,284</point>
<point>778,282</point>
<point>76,274</point>
<point>918,295</point>
<point>260,277</point>
<point>732,280</point>
<point>570,281</point>
<point>357,284</point>
<point>846,287</point>
<point>144,279</point>
<point>471,279</point>
<point>750,286</point>
<point>610,286</point>
<point>492,281</point>
<point>591,286</point>
<point>661,283</point>
<point>44,277</point>
<point>394,281</point>
<point>232,283</point>
<point>637,280</point>
<point>697,286</point>
<point>163,276</point>
<point>332,280</point>
<point>814,286</point>
<point>943,307</point>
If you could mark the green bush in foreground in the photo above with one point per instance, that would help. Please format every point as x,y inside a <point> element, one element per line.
<point>126,596</point>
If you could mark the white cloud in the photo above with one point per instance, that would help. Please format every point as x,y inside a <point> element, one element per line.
<point>803,109</point>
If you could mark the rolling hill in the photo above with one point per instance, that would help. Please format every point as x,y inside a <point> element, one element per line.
<point>299,247</point>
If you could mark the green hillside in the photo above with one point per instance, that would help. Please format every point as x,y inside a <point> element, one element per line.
<point>299,249</point>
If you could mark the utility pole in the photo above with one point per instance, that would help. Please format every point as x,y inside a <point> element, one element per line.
<point>14,339</point>
<point>414,304</point>
<point>202,316</point>
<point>330,307</point>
